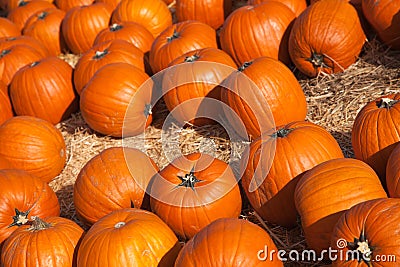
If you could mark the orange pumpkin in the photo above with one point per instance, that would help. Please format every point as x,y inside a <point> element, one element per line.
<point>7,42</point>
<point>112,3</point>
<point>8,28</point>
<point>6,111</point>
<point>297,6</point>
<point>9,5</point>
<point>393,172</point>
<point>66,5</point>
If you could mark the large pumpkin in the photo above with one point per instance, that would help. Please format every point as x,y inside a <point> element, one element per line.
<point>178,39</point>
<point>327,37</point>
<point>23,196</point>
<point>393,172</point>
<point>115,103</point>
<point>326,191</point>
<point>52,241</point>
<point>194,77</point>
<point>111,51</point>
<point>44,89</point>
<point>6,110</point>
<point>9,5</point>
<point>34,145</point>
<point>297,6</point>
<point>367,234</point>
<point>374,134</point>
<point>193,191</point>
<point>234,243</point>
<point>8,28</point>
<point>139,238</point>
<point>261,88</point>
<point>7,42</point>
<point>269,183</point>
<point>268,35</point>
<point>114,179</point>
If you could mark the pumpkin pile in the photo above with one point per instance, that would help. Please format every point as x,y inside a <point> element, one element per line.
<point>143,69</point>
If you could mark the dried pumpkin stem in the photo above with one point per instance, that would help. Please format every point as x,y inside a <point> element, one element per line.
<point>38,224</point>
<point>317,60</point>
<point>115,27</point>
<point>4,52</point>
<point>386,103</point>
<point>192,58</point>
<point>20,218</point>
<point>119,225</point>
<point>281,133</point>
<point>175,35</point>
<point>362,247</point>
<point>245,66</point>
<point>100,54</point>
<point>43,15</point>
<point>189,180</point>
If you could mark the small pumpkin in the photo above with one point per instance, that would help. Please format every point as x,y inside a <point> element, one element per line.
<point>8,28</point>
<point>23,196</point>
<point>33,145</point>
<point>66,5</point>
<point>6,111</point>
<point>52,240</point>
<point>140,234</point>
<point>297,6</point>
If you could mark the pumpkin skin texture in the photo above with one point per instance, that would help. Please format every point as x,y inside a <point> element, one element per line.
<point>393,172</point>
<point>45,26</point>
<point>383,15</point>
<point>212,12</point>
<point>44,89</point>
<point>8,28</point>
<point>186,204</point>
<point>234,242</point>
<point>271,23</point>
<point>33,145</point>
<point>375,132</point>
<point>179,39</point>
<point>26,193</point>
<point>299,147</point>
<point>6,111</point>
<point>375,224</point>
<point>275,91</point>
<point>69,4</point>
<point>338,22</point>
<point>7,42</point>
<point>82,24</point>
<point>112,51</point>
<point>178,85</point>
<point>154,15</point>
<point>297,6</point>
<point>118,177</point>
<point>52,241</point>
<point>112,3</point>
<point>326,191</point>
<point>9,5</point>
<point>140,239</point>
<point>108,109</point>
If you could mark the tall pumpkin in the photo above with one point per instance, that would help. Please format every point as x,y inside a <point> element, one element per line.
<point>23,196</point>
<point>269,183</point>
<point>33,145</point>
<point>268,35</point>
<point>327,37</point>
<point>297,6</point>
<point>44,89</point>
<point>6,111</point>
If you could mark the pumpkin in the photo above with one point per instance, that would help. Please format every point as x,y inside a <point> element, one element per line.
<point>7,42</point>
<point>384,17</point>
<point>8,28</point>
<point>25,10</point>
<point>261,88</point>
<point>327,37</point>
<point>112,3</point>
<point>326,191</point>
<point>269,182</point>
<point>9,5</point>
<point>66,5</point>
<point>52,241</point>
<point>132,32</point>
<point>82,24</point>
<point>140,234</point>
<point>268,36</point>
<point>117,100</point>
<point>44,89</point>
<point>234,243</point>
<point>212,12</point>
<point>15,57</point>
<point>193,191</point>
<point>393,172</point>
<point>102,54</point>
<point>374,133</point>
<point>45,27</point>
<point>23,196</point>
<point>178,39</point>
<point>6,111</point>
<point>297,6</point>
<point>154,15</point>
<point>117,177</point>
<point>33,145</point>
<point>366,234</point>
<point>195,81</point>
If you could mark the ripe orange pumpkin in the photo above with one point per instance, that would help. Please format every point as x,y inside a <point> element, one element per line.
<point>154,15</point>
<point>268,35</point>
<point>327,37</point>
<point>234,243</point>
<point>112,3</point>
<point>66,5</point>
<point>115,103</point>
<point>52,240</point>
<point>8,28</point>
<point>118,177</point>
<point>23,196</point>
<point>193,191</point>
<point>6,111</point>
<point>261,88</point>
<point>326,191</point>
<point>33,145</point>
<point>7,42</point>
<point>9,5</point>
<point>393,172</point>
<point>140,234</point>
<point>297,6</point>
<point>270,183</point>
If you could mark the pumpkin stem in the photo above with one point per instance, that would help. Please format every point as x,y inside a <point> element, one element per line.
<point>115,27</point>
<point>100,54</point>
<point>386,103</point>
<point>361,246</point>
<point>22,3</point>
<point>35,63</point>
<point>19,218</point>
<point>281,133</point>
<point>147,110</point>
<point>317,60</point>
<point>43,15</point>
<point>245,66</point>
<point>189,180</point>
<point>175,35</point>
<point>5,52</point>
<point>192,58</point>
<point>38,224</point>
<point>119,225</point>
